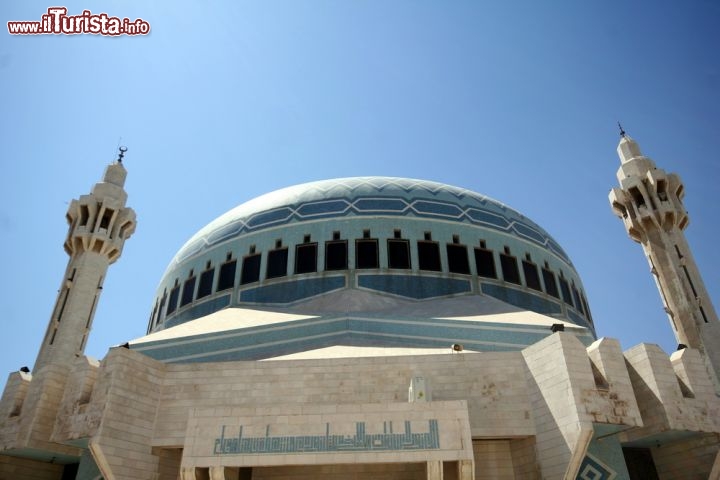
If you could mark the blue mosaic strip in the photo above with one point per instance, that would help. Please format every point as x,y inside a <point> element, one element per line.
<point>534,303</point>
<point>291,291</point>
<point>329,443</point>
<point>442,333</point>
<point>413,286</point>
<point>519,298</point>
<point>382,196</point>
<point>578,320</point>
<point>198,310</point>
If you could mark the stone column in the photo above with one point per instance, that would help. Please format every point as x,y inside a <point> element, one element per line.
<point>187,473</point>
<point>224,473</point>
<point>466,470</point>
<point>434,470</point>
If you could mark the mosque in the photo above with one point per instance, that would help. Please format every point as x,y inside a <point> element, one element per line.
<point>371,328</point>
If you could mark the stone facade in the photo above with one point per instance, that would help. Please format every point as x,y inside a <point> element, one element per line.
<point>540,413</point>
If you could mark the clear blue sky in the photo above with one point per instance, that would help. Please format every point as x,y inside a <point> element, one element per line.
<point>517,100</point>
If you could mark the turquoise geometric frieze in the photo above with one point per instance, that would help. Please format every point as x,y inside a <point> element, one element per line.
<point>361,441</point>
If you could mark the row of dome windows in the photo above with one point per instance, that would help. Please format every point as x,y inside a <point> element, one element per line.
<point>367,257</point>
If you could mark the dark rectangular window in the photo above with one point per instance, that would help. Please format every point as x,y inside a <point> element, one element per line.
<point>172,302</point>
<point>692,286</point>
<point>509,267</point>
<point>306,258</point>
<point>532,278</point>
<point>429,256</point>
<point>277,263</point>
<point>162,305</point>
<point>550,283</point>
<point>366,253</point>
<point>66,293</point>
<point>565,290</point>
<point>637,196</point>
<point>153,316</point>
<point>576,297</point>
<point>206,281</point>
<point>336,257</point>
<point>187,293</point>
<point>398,253</point>
<point>105,220</point>
<point>226,279</point>
<point>485,263</point>
<point>250,269</point>
<point>457,258</point>
<point>586,308</point>
<point>640,463</point>
<point>84,215</point>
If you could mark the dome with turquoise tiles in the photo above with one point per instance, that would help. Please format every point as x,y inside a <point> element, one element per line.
<point>373,246</point>
<point>367,196</point>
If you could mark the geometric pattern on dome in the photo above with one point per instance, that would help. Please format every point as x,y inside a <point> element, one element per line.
<point>362,196</point>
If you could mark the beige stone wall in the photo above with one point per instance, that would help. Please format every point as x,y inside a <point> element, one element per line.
<point>497,386</point>
<point>686,460</point>
<point>11,407</point>
<point>663,404</point>
<point>701,407</point>
<point>37,416</point>
<point>76,398</point>
<point>543,400</point>
<point>122,446</point>
<point>12,468</point>
<point>168,463</point>
<point>524,459</point>
<point>612,400</point>
<point>493,460</point>
<point>559,377</point>
<point>497,401</point>
<point>390,471</point>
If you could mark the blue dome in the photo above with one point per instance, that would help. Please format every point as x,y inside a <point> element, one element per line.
<point>367,196</point>
<point>383,242</point>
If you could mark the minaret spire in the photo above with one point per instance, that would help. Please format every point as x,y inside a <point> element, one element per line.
<point>649,202</point>
<point>99,224</point>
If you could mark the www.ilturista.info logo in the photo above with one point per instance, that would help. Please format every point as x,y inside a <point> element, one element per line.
<point>57,21</point>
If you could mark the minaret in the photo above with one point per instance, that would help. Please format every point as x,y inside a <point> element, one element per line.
<point>649,201</point>
<point>99,225</point>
